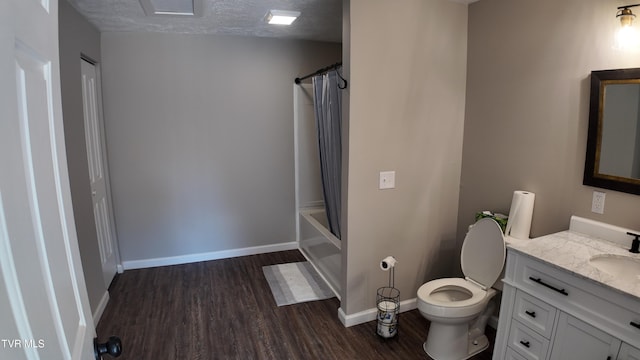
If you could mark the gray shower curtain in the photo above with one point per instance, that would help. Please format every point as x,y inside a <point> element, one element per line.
<point>328,108</point>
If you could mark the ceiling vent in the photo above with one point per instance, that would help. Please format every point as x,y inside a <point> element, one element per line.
<point>172,7</point>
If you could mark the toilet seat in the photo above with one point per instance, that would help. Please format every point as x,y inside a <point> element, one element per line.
<point>457,284</point>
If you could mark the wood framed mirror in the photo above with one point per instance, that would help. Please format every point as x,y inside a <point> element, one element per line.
<point>613,142</point>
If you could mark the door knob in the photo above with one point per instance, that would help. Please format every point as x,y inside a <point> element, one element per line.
<point>112,347</point>
<point>93,193</point>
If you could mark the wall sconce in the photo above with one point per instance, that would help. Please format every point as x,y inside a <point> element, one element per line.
<point>626,15</point>
<point>627,36</point>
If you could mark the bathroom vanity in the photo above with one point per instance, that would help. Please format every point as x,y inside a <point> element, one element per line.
<point>571,295</point>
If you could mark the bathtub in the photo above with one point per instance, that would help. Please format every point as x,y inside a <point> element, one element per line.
<point>320,246</point>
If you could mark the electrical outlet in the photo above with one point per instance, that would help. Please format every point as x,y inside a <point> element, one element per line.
<point>597,204</point>
<point>387,180</point>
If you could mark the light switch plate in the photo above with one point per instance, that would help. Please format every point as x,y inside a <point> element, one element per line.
<point>387,180</point>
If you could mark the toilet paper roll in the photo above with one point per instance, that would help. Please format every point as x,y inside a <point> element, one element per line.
<point>387,311</point>
<point>387,331</point>
<point>387,263</point>
<point>520,215</point>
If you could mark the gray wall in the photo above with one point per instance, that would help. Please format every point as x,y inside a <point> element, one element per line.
<point>77,38</point>
<point>528,106</point>
<point>406,113</point>
<point>200,139</point>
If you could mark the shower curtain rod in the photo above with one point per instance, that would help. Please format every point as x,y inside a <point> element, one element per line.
<point>298,80</point>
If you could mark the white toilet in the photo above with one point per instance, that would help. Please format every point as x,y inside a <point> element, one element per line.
<point>457,308</point>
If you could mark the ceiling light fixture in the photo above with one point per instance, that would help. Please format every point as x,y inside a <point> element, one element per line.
<point>282,17</point>
<point>627,36</point>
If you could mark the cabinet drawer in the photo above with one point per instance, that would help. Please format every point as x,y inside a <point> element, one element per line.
<point>547,283</point>
<point>527,342</point>
<point>513,355</point>
<point>534,313</point>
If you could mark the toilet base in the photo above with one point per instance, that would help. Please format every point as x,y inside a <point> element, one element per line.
<point>444,342</point>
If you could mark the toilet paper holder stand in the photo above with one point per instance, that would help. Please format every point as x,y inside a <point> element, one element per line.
<point>388,306</point>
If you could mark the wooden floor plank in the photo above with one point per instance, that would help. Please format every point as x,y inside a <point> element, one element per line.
<point>224,309</point>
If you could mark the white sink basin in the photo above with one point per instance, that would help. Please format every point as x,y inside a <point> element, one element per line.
<point>622,267</point>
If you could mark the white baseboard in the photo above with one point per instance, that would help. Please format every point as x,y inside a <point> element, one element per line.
<point>371,314</point>
<point>100,309</point>
<point>215,255</point>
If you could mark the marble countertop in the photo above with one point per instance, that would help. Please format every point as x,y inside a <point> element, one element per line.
<point>571,251</point>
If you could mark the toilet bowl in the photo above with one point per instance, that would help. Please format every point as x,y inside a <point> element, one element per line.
<point>458,308</point>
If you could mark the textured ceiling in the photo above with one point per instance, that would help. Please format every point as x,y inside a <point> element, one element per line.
<point>321,20</point>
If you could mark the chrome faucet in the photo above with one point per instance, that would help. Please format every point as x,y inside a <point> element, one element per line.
<point>635,244</point>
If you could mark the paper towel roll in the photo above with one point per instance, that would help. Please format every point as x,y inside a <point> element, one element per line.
<point>520,215</point>
<point>387,263</point>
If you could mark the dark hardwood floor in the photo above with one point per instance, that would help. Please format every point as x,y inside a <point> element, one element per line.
<point>224,309</point>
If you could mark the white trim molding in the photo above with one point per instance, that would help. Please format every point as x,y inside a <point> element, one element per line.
<point>100,308</point>
<point>214,255</point>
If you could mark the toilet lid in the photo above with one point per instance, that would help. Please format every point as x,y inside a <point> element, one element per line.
<point>483,252</point>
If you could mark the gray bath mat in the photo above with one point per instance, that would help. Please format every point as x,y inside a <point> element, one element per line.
<point>294,283</point>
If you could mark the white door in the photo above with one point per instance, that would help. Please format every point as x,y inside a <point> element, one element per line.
<point>44,307</point>
<point>92,107</point>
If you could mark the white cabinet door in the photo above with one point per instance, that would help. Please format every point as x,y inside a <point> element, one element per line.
<point>628,352</point>
<point>577,340</point>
